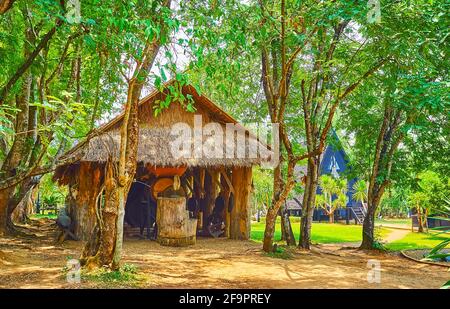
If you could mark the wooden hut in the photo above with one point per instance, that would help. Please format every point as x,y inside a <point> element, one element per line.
<point>228,172</point>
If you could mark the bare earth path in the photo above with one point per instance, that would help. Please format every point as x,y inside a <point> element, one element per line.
<point>395,234</point>
<point>215,263</point>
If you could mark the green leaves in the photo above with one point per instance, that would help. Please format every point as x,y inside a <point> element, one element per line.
<point>360,190</point>
<point>436,254</point>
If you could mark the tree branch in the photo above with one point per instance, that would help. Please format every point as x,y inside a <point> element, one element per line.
<point>5,5</point>
<point>28,62</point>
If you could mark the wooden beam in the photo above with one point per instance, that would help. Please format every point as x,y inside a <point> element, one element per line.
<point>185,181</point>
<point>228,180</point>
<point>225,192</point>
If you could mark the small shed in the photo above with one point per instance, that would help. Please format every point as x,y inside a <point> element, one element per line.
<point>204,170</point>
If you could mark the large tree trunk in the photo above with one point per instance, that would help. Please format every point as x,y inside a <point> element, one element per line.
<point>375,193</point>
<point>129,139</point>
<point>386,145</point>
<point>118,179</point>
<point>107,242</point>
<point>19,197</point>
<point>280,192</point>
<point>5,196</point>
<point>368,241</point>
<point>309,198</point>
<point>99,251</point>
<point>82,200</point>
<point>25,207</point>
<point>273,210</point>
<point>17,154</point>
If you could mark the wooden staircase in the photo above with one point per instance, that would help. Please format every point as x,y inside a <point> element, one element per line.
<point>358,213</point>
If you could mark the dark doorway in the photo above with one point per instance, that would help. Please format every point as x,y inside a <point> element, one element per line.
<point>140,209</point>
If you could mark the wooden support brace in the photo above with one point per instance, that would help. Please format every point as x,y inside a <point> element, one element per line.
<point>228,180</point>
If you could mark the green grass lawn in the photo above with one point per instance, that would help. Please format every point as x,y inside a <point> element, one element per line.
<point>406,222</point>
<point>340,233</point>
<point>321,232</point>
<point>417,241</point>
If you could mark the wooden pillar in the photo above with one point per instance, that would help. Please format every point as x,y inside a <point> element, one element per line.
<point>198,183</point>
<point>240,215</point>
<point>211,192</point>
<point>225,192</point>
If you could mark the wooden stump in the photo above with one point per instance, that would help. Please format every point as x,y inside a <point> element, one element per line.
<point>175,228</point>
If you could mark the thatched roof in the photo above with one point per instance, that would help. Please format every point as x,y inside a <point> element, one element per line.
<point>155,149</point>
<point>155,137</point>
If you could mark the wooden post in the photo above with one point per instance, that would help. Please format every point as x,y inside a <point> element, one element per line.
<point>240,215</point>
<point>199,179</point>
<point>211,192</point>
<point>225,192</point>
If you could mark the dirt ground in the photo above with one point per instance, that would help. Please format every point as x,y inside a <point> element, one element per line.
<point>213,263</point>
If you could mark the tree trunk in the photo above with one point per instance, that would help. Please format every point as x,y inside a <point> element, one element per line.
<point>5,5</point>
<point>16,155</point>
<point>269,231</point>
<point>118,183</point>
<point>283,230</point>
<point>25,207</point>
<point>308,203</point>
<point>278,200</point>
<point>82,200</point>
<point>420,219</point>
<point>288,234</point>
<point>387,143</point>
<point>280,191</point>
<point>104,240</point>
<point>368,241</point>
<point>28,62</point>
<point>5,196</point>
<point>19,197</point>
